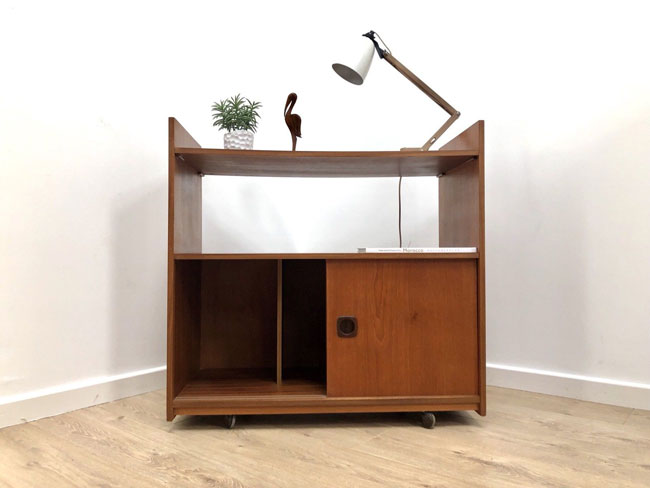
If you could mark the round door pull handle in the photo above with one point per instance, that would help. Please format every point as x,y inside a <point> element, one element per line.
<point>346,326</point>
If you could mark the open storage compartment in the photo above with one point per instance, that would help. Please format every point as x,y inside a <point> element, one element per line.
<point>303,321</point>
<point>226,316</point>
<point>249,327</point>
<point>238,319</point>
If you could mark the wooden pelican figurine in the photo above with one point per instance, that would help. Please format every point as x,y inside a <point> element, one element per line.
<point>293,120</point>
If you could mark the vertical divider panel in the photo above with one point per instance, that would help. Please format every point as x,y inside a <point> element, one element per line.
<point>279,326</point>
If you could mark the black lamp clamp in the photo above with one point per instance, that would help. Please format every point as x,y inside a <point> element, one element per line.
<point>371,35</point>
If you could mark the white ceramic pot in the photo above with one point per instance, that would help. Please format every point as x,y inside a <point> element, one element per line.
<point>238,139</point>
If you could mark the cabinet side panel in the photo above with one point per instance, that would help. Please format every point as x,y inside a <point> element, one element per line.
<point>187,209</point>
<point>458,202</point>
<point>185,339</point>
<point>481,272</point>
<point>468,140</point>
<point>457,208</point>
<point>181,138</point>
<point>183,213</point>
<point>417,328</point>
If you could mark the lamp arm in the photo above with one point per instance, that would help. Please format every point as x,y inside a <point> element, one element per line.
<point>454,114</point>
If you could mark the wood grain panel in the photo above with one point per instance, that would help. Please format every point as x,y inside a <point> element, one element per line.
<point>259,394</point>
<point>238,314</point>
<point>300,397</point>
<point>323,163</point>
<point>183,234</point>
<point>459,207</point>
<point>184,195</point>
<point>235,376</point>
<point>304,311</point>
<point>417,328</point>
<point>187,209</point>
<point>185,339</point>
<point>181,137</point>
<point>287,408</point>
<point>213,389</point>
<point>468,140</point>
<point>278,321</point>
<point>482,410</point>
<point>462,219</point>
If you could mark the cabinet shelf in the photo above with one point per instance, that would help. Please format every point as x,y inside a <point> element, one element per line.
<point>248,382</point>
<point>250,396</point>
<point>322,164</point>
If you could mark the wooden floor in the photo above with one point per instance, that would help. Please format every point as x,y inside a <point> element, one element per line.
<point>526,440</point>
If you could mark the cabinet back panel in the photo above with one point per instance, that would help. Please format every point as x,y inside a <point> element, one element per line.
<point>238,314</point>
<point>303,318</point>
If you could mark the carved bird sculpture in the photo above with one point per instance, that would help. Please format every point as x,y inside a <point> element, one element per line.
<point>293,120</point>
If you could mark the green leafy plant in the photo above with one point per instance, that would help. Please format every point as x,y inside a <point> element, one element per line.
<point>236,113</point>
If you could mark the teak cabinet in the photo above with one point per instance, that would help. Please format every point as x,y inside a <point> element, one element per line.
<point>329,332</point>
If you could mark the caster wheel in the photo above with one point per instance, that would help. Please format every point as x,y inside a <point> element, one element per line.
<point>229,421</point>
<point>428,420</point>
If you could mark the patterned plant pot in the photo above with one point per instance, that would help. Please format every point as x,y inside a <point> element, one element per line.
<point>238,139</point>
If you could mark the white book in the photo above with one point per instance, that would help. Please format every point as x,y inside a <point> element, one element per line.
<point>417,249</point>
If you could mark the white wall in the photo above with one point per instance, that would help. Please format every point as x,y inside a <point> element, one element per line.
<point>84,97</point>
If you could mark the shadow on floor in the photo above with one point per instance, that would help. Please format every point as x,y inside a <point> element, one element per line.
<point>315,421</point>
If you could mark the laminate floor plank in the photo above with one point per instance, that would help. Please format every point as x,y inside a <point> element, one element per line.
<point>242,452</point>
<point>640,419</point>
<point>527,439</point>
<point>556,404</point>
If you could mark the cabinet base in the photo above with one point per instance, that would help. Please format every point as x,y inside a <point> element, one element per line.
<point>321,405</point>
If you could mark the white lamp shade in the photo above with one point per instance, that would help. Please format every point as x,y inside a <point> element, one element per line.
<point>356,73</point>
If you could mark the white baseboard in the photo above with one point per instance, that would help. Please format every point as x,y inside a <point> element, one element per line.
<point>37,404</point>
<point>588,388</point>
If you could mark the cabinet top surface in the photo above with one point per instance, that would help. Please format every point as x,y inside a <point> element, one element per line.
<point>333,256</point>
<point>322,163</point>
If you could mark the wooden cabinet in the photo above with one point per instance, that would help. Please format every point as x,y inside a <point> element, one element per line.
<point>417,328</point>
<point>326,332</point>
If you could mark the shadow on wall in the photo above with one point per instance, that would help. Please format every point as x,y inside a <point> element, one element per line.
<point>227,222</point>
<point>537,276</point>
<point>138,278</point>
<point>315,214</point>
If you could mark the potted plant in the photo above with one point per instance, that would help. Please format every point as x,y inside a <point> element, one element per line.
<point>238,116</point>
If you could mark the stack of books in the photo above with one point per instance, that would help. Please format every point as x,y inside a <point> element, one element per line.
<point>417,249</point>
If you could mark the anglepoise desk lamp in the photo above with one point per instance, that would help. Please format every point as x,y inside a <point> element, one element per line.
<point>358,74</point>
